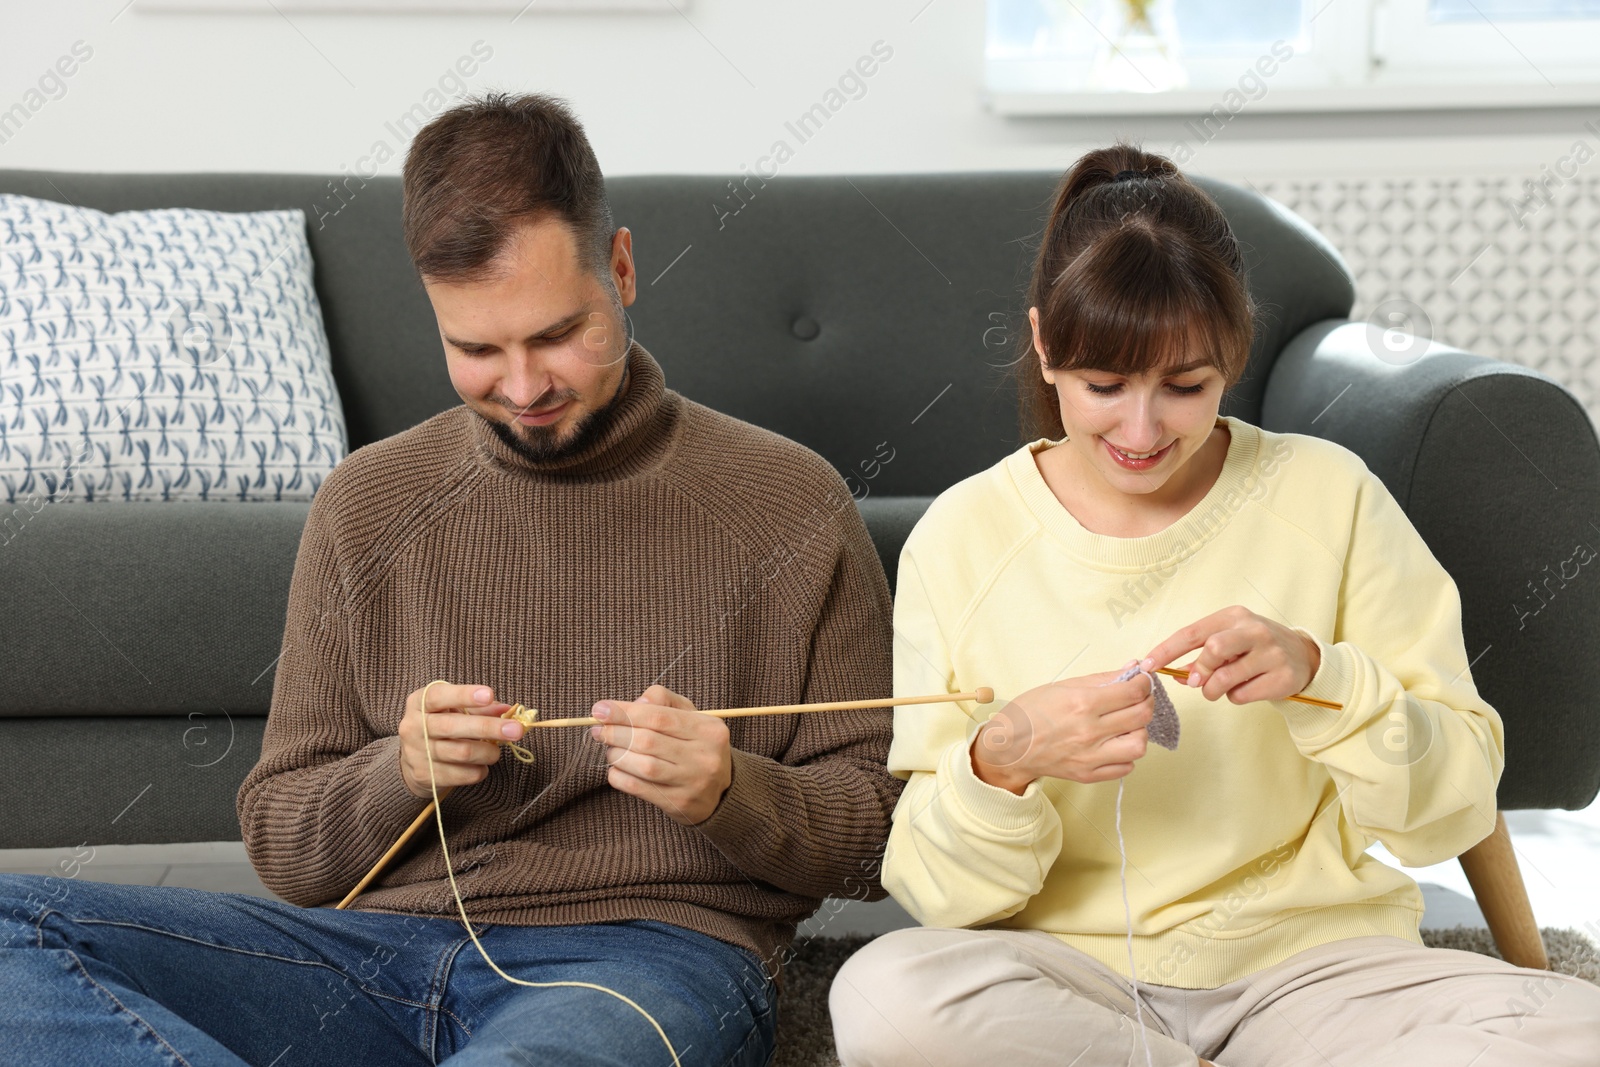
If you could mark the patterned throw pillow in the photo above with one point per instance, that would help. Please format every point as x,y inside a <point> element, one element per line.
<point>161,355</point>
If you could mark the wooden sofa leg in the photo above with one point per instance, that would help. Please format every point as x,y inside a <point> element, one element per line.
<point>1496,881</point>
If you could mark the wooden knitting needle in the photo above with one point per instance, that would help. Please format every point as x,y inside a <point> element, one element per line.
<point>983,695</point>
<point>383,861</point>
<point>1318,701</point>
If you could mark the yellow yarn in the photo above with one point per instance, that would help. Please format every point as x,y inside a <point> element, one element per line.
<point>524,716</point>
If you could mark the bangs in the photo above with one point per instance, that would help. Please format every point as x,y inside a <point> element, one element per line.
<point>1133,303</point>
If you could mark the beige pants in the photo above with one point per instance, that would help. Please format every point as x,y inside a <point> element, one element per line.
<point>1014,998</point>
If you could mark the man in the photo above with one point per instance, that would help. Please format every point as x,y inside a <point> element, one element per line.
<point>573,535</point>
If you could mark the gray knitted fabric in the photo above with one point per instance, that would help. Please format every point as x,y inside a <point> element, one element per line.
<point>1163,728</point>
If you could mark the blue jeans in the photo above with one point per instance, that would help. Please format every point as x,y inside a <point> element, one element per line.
<point>98,974</point>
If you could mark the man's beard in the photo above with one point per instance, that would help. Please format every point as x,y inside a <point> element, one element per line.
<point>539,444</point>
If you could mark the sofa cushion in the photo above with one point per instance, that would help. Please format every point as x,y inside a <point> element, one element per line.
<point>144,608</point>
<point>161,355</point>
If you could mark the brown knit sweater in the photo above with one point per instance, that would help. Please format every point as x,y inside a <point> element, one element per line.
<point>685,548</point>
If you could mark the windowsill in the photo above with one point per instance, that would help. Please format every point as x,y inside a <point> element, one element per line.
<point>1297,100</point>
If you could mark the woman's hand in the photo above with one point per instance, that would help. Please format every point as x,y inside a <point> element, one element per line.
<point>1242,655</point>
<point>1081,729</point>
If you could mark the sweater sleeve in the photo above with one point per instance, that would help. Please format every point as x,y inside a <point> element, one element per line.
<point>1416,752</point>
<point>961,852</point>
<point>326,798</point>
<point>814,822</point>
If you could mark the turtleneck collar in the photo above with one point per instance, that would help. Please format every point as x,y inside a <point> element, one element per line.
<point>642,430</point>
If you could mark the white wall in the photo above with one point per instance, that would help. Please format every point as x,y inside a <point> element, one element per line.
<point>1413,199</point>
<point>703,91</point>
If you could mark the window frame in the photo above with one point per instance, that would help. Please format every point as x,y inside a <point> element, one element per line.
<point>1350,64</point>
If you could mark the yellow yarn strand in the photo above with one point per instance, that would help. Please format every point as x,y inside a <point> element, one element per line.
<point>518,712</point>
<point>526,717</point>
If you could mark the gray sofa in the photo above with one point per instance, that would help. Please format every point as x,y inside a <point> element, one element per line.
<point>866,317</point>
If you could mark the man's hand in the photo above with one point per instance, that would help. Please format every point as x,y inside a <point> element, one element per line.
<point>1243,656</point>
<point>662,750</point>
<point>465,730</point>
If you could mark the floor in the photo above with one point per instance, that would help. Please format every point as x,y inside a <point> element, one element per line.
<point>1559,852</point>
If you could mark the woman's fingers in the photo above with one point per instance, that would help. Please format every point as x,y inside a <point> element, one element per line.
<point>1199,635</point>
<point>1069,729</point>
<point>1124,748</point>
<point>1105,697</point>
<point>1250,677</point>
<point>1189,638</point>
<point>1098,679</point>
<point>1219,650</point>
<point>1129,718</point>
<point>1108,772</point>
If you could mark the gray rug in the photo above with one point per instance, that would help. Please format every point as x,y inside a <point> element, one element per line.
<point>805,1034</point>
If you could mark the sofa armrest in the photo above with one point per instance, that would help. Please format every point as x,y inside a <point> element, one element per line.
<point>1498,468</point>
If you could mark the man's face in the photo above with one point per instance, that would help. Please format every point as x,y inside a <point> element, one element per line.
<point>537,346</point>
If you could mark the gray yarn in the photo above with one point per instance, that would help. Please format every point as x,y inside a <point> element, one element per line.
<point>1163,730</point>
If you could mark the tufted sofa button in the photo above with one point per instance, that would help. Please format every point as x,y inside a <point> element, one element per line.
<point>806,327</point>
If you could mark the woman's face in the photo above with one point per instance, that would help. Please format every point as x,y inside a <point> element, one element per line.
<point>1108,415</point>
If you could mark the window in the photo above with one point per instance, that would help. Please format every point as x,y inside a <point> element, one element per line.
<point>1175,55</point>
<point>1529,42</point>
<point>1470,11</point>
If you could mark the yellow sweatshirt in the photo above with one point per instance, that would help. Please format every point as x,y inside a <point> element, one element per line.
<point>1248,843</point>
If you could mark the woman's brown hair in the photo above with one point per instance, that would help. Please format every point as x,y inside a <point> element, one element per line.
<point>1137,270</point>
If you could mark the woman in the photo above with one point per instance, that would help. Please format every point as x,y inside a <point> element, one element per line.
<point>1139,522</point>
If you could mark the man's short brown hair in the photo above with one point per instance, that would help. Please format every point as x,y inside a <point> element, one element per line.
<point>482,168</point>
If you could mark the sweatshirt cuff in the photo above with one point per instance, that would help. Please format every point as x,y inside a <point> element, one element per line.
<point>1000,809</point>
<point>1334,680</point>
